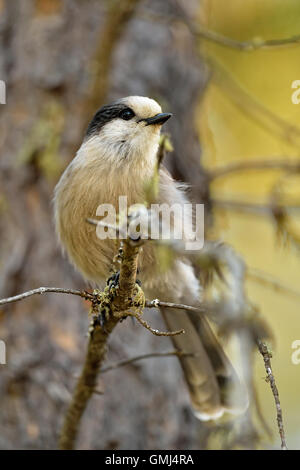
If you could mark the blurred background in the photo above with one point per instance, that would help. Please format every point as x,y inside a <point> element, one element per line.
<point>236,137</point>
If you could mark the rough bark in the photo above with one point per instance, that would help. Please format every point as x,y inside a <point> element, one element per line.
<point>47,49</point>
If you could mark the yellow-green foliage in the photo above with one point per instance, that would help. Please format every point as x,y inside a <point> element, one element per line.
<point>42,144</point>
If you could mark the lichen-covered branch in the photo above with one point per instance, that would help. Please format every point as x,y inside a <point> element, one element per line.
<point>86,384</point>
<point>97,346</point>
<point>271,379</point>
<point>156,303</point>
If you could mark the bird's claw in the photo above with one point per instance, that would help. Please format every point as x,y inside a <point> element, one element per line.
<point>101,307</point>
<point>113,280</point>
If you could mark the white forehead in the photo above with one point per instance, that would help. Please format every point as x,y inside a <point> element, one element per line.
<point>142,106</point>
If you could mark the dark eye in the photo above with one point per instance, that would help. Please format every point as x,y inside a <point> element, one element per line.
<point>126,114</point>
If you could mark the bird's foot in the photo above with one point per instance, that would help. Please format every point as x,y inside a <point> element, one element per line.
<point>113,281</point>
<point>101,306</point>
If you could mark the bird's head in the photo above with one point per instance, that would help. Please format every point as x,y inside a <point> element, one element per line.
<point>126,132</point>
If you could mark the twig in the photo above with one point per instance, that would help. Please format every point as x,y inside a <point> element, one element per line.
<point>217,38</point>
<point>260,209</point>
<point>125,362</point>
<point>271,379</point>
<point>247,46</point>
<point>44,290</point>
<point>266,280</point>
<point>156,303</point>
<point>253,165</point>
<point>153,331</point>
<point>252,107</point>
<point>119,230</point>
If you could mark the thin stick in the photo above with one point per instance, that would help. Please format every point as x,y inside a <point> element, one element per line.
<point>271,379</point>
<point>217,38</point>
<point>252,107</point>
<point>268,281</point>
<point>156,303</point>
<point>152,330</point>
<point>260,209</point>
<point>247,46</point>
<point>119,231</point>
<point>253,165</point>
<point>44,290</point>
<point>125,362</point>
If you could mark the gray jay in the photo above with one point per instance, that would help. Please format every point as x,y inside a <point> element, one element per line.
<point>118,157</point>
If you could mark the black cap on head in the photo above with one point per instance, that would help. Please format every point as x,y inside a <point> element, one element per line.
<point>103,116</point>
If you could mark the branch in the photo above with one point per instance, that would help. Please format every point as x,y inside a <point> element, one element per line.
<point>97,347</point>
<point>117,303</point>
<point>44,290</point>
<point>260,209</point>
<point>285,229</point>
<point>224,41</point>
<point>118,230</point>
<point>267,280</point>
<point>252,107</point>
<point>88,296</point>
<point>120,306</point>
<point>247,46</point>
<point>152,330</point>
<point>156,303</point>
<point>177,353</point>
<point>201,32</point>
<point>253,165</point>
<point>271,379</point>
<point>86,383</point>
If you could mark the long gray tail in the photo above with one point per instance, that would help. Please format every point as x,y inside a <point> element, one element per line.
<point>213,384</point>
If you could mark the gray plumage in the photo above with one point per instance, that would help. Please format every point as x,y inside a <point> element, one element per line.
<point>118,157</point>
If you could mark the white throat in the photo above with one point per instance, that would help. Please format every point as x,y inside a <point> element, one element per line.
<point>132,156</point>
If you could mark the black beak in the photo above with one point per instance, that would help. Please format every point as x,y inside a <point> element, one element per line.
<point>160,118</point>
